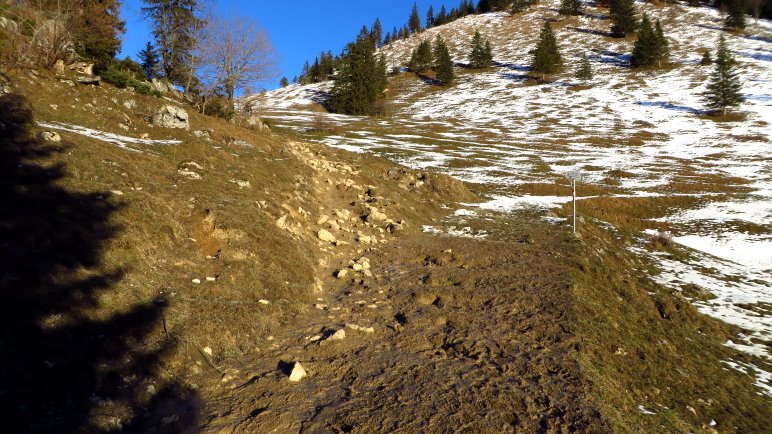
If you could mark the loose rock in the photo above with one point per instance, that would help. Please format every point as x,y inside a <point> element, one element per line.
<point>51,136</point>
<point>298,373</point>
<point>326,236</point>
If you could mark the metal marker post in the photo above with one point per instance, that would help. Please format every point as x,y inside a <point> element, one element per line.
<point>573,176</point>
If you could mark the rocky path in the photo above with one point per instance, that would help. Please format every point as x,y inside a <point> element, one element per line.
<point>448,335</point>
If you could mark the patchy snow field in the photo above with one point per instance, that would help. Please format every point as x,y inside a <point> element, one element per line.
<point>637,133</point>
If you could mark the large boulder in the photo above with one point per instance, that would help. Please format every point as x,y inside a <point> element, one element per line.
<point>256,122</point>
<point>170,116</point>
<point>159,85</point>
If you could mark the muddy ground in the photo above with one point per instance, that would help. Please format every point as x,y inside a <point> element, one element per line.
<point>469,335</point>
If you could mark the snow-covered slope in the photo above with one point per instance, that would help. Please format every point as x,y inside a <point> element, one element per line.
<point>638,133</point>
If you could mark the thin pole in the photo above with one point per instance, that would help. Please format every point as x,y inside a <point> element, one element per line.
<point>573,185</point>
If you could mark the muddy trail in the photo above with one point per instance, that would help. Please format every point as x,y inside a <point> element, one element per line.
<point>448,335</point>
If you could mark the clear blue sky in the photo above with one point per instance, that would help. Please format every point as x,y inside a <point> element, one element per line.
<point>299,29</point>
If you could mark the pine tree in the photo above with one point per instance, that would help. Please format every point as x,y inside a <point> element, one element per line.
<point>443,64</point>
<point>284,82</point>
<point>174,27</point>
<point>360,81</point>
<point>706,58</point>
<point>148,59</point>
<point>442,17</point>
<point>376,32</point>
<point>584,71</point>
<point>430,18</point>
<point>724,85</point>
<point>735,19</point>
<point>651,47</point>
<point>623,18</point>
<point>387,38</point>
<point>480,55</point>
<point>546,58</point>
<point>96,30</point>
<point>415,20</point>
<point>421,58</point>
<point>571,7</point>
<point>661,46</point>
<point>484,6</point>
<point>644,48</point>
<point>519,6</point>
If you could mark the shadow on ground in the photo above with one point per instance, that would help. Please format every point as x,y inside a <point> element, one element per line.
<point>66,365</point>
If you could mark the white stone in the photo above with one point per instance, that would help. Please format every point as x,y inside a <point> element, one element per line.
<point>326,236</point>
<point>338,335</point>
<point>170,116</point>
<point>211,279</point>
<point>196,281</point>
<point>208,351</point>
<point>298,373</point>
<point>51,136</point>
<point>262,301</point>
<point>340,274</point>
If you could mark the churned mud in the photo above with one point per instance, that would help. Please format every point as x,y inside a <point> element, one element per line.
<point>449,335</point>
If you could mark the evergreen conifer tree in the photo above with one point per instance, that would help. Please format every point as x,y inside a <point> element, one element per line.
<point>443,64</point>
<point>430,18</point>
<point>519,6</point>
<point>284,82</point>
<point>376,32</point>
<point>387,38</point>
<point>150,62</point>
<point>623,18</point>
<point>360,81</point>
<point>174,27</point>
<point>415,20</point>
<point>706,58</point>
<point>484,6</point>
<point>644,48</point>
<point>735,19</point>
<point>571,7</point>
<point>546,58</point>
<point>421,58</point>
<point>481,55</point>
<point>724,85</point>
<point>477,52</point>
<point>584,71</point>
<point>442,17</point>
<point>651,48</point>
<point>661,46</point>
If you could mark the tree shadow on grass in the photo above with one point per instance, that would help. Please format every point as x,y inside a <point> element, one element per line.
<point>63,368</point>
<point>671,106</point>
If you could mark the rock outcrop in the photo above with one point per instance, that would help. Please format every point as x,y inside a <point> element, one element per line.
<point>170,116</point>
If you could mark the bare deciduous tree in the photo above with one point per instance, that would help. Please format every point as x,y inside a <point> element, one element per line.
<point>235,52</point>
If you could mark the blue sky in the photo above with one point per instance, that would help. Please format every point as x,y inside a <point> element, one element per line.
<point>299,29</point>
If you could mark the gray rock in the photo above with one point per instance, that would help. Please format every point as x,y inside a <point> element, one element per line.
<point>257,123</point>
<point>92,80</point>
<point>159,85</point>
<point>170,116</point>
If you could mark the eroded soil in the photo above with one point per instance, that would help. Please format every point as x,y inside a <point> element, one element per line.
<point>469,336</point>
